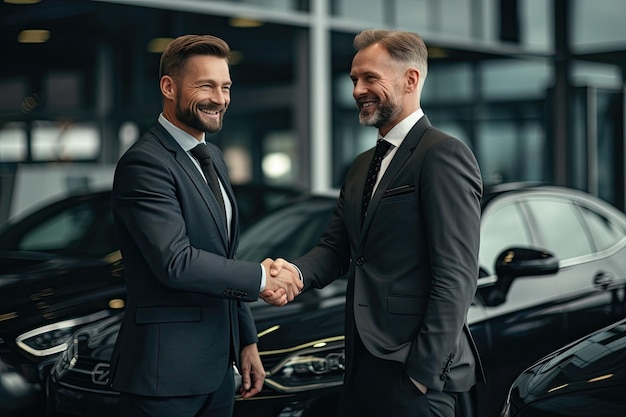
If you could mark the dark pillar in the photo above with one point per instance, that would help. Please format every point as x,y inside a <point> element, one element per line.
<point>561,123</point>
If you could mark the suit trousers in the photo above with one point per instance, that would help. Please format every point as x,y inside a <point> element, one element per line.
<point>381,388</point>
<point>219,403</point>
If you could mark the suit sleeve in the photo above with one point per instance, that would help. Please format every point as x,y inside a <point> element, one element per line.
<point>450,192</point>
<point>329,259</point>
<point>149,194</point>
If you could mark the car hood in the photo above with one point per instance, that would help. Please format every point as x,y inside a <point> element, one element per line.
<point>315,315</point>
<point>39,287</point>
<point>22,266</point>
<point>595,362</point>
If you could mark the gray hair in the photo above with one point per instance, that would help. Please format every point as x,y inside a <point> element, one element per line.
<point>403,47</point>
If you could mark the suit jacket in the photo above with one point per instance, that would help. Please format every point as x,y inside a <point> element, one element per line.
<point>413,261</point>
<point>184,317</point>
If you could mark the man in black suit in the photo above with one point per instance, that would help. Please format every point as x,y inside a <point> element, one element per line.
<point>186,319</point>
<point>407,233</point>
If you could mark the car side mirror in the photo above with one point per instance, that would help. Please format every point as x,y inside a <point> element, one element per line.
<point>518,262</point>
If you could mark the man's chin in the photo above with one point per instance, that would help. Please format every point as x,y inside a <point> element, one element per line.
<point>212,127</point>
<point>367,119</point>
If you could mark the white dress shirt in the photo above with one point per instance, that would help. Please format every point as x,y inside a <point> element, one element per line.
<point>395,136</point>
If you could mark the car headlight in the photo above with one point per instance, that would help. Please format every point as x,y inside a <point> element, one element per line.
<point>318,365</point>
<point>53,338</point>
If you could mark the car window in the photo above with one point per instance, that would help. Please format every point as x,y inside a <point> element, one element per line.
<point>59,231</point>
<point>301,226</point>
<point>502,228</point>
<point>604,232</point>
<point>84,229</point>
<point>560,228</point>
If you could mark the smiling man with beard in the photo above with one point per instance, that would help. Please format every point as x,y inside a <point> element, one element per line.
<point>406,230</point>
<point>176,222</point>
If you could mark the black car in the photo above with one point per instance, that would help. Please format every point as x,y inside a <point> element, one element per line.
<point>60,268</point>
<point>553,268</point>
<point>584,379</point>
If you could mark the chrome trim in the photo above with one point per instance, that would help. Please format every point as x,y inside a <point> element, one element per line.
<point>100,373</point>
<point>56,326</point>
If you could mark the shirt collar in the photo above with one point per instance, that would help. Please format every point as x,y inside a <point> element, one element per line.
<point>184,139</point>
<point>397,134</point>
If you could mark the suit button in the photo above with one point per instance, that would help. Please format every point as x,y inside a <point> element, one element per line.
<point>360,260</point>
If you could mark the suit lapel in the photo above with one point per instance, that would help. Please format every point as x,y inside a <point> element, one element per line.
<point>196,178</point>
<point>402,155</point>
<point>222,173</point>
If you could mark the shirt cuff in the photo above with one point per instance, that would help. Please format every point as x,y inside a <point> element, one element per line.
<point>263,279</point>
<point>299,272</point>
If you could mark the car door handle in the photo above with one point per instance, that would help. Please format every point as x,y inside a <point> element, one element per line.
<point>603,280</point>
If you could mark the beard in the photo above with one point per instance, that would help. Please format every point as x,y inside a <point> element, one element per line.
<point>384,113</point>
<point>190,117</point>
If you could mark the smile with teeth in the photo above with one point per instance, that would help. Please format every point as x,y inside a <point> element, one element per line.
<point>210,112</point>
<point>366,104</point>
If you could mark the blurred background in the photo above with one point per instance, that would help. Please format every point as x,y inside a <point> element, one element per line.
<point>534,87</point>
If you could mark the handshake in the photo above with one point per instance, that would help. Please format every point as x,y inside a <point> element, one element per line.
<point>283,283</point>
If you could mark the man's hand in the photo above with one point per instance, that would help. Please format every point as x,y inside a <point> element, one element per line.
<point>276,298</point>
<point>423,388</point>
<point>283,282</point>
<point>252,371</point>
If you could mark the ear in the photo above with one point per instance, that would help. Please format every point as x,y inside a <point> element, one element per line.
<point>168,87</point>
<point>412,79</point>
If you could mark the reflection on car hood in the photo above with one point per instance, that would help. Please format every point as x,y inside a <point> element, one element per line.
<point>39,288</point>
<point>22,266</point>
<point>316,314</point>
<point>596,361</point>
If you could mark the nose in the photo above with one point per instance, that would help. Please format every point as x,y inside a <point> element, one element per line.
<point>358,89</point>
<point>219,96</point>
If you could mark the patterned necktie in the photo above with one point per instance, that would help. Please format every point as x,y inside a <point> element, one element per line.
<point>381,150</point>
<point>201,153</point>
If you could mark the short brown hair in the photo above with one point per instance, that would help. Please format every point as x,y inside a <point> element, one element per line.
<point>180,49</point>
<point>403,47</point>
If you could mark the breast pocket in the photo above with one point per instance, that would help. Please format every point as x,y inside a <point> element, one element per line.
<point>401,193</point>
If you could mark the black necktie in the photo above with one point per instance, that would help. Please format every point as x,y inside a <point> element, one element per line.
<point>381,150</point>
<point>201,153</point>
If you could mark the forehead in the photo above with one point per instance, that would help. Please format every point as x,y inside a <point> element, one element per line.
<point>206,67</point>
<point>373,58</point>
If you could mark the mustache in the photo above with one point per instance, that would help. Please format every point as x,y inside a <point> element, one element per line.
<point>212,107</point>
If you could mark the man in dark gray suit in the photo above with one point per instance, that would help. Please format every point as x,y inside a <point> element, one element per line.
<point>186,320</point>
<point>408,237</point>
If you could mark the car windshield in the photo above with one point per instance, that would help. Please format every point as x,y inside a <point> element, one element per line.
<point>289,233</point>
<point>82,229</point>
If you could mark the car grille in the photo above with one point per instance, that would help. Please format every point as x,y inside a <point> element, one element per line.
<point>93,376</point>
<point>88,375</point>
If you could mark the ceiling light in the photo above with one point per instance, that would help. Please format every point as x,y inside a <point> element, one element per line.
<point>158,45</point>
<point>22,1</point>
<point>244,22</point>
<point>33,36</point>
